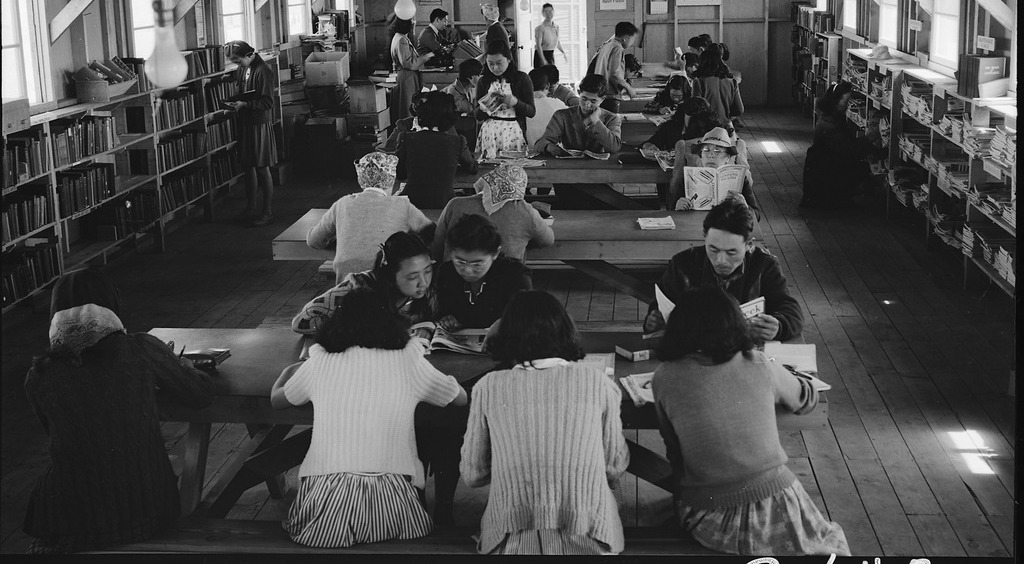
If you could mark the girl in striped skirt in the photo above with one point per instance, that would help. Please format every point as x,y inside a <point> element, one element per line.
<point>360,479</point>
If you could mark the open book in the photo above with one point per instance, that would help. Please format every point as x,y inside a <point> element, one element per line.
<point>706,186</point>
<point>466,341</point>
<point>577,154</point>
<point>638,386</point>
<point>800,359</point>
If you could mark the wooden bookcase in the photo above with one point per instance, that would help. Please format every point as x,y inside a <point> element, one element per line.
<point>816,50</point>
<point>142,164</point>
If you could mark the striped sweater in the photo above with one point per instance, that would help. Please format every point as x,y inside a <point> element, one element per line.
<point>364,401</point>
<point>549,442</point>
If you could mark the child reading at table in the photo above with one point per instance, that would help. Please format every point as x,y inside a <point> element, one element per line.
<point>691,120</point>
<point>545,432</point>
<point>364,376</point>
<point>474,287</point>
<point>676,91</point>
<point>402,275</point>
<point>501,196</point>
<point>716,149</point>
<point>360,222</point>
<point>109,480</point>
<point>715,398</point>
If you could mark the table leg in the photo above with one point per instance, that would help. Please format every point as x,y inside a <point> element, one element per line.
<point>197,445</point>
<point>244,471</point>
<point>649,466</point>
<point>615,277</point>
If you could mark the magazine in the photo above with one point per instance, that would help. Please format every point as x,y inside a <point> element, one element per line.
<point>706,186</point>
<point>577,154</point>
<point>466,341</point>
<point>750,309</point>
<point>638,386</point>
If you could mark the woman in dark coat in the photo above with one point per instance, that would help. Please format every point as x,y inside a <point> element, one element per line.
<point>94,391</point>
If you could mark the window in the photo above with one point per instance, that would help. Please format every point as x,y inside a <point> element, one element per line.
<point>945,36</point>
<point>298,17</point>
<point>887,22</point>
<point>236,20</point>
<point>850,15</point>
<point>142,28</point>
<point>25,64</point>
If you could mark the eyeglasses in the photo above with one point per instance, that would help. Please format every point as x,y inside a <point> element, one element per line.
<point>710,151</point>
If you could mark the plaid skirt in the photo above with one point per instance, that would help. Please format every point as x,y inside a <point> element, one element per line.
<point>550,542</point>
<point>256,146</point>
<point>785,524</point>
<point>347,508</point>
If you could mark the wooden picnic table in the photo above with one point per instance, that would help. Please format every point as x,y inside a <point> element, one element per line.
<point>596,242</point>
<point>257,358</point>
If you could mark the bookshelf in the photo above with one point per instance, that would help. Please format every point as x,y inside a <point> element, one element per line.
<point>816,51</point>
<point>84,181</point>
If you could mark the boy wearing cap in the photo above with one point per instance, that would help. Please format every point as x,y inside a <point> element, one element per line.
<point>716,149</point>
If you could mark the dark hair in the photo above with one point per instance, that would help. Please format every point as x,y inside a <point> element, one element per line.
<point>725,51</point>
<point>701,116</point>
<point>418,99</point>
<point>401,27</point>
<point>712,324</point>
<point>85,286</point>
<point>699,41</point>
<point>622,29</point>
<point>437,110</point>
<point>499,47</point>
<point>470,68</point>
<point>399,247</point>
<point>437,14</point>
<point>690,60</point>
<point>362,319</point>
<point>238,49</point>
<point>595,84</point>
<point>539,78</point>
<point>547,5</point>
<point>675,83</point>
<point>731,215</point>
<point>827,104</point>
<point>711,63</point>
<point>534,325</point>
<point>553,75</point>
<point>474,232</point>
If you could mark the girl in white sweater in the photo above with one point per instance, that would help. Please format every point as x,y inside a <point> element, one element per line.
<point>359,480</point>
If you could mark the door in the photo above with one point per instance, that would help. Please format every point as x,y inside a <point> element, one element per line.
<point>571,19</point>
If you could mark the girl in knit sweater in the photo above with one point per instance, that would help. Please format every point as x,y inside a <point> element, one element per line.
<point>715,398</point>
<point>546,434</point>
<point>359,480</point>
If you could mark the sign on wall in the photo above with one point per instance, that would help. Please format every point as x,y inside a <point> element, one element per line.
<point>613,4</point>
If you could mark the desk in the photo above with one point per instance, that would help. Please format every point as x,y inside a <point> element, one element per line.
<point>596,242</point>
<point>259,355</point>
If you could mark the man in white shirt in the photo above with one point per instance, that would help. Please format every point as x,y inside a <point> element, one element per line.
<point>546,107</point>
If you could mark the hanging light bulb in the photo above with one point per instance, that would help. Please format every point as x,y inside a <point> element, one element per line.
<point>405,9</point>
<point>165,67</point>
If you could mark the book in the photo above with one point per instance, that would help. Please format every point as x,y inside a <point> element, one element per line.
<point>749,309</point>
<point>706,186</point>
<point>655,223</point>
<point>666,160</point>
<point>635,348</point>
<point>577,154</point>
<point>207,359</point>
<point>638,386</point>
<point>800,359</point>
<point>465,341</point>
<point>753,308</point>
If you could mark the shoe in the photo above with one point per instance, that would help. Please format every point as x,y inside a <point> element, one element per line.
<point>262,220</point>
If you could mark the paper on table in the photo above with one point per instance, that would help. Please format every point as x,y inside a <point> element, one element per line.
<point>803,357</point>
<point>665,305</point>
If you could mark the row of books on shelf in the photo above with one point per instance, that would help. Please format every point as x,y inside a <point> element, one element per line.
<point>177,108</point>
<point>217,93</point>
<point>184,188</point>
<point>24,215</point>
<point>204,60</point>
<point>992,245</point>
<point>817,21</point>
<point>117,220</point>
<point>82,187</point>
<point>181,148</point>
<point>24,157</point>
<point>917,100</point>
<point>223,167</point>
<point>855,71</point>
<point>1004,146</point>
<point>994,198</point>
<point>73,141</point>
<point>221,133</point>
<point>915,146</point>
<point>26,269</point>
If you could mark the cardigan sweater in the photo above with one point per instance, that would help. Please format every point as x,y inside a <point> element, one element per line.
<point>363,406</point>
<point>109,480</point>
<point>360,223</point>
<point>549,442</point>
<point>428,161</point>
<point>256,111</point>
<point>566,127</point>
<point>522,89</point>
<point>505,277</point>
<point>718,423</point>
<point>760,276</point>
<point>722,93</point>
<point>518,223</point>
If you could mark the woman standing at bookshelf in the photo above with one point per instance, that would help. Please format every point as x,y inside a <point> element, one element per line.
<point>257,151</point>
<point>407,64</point>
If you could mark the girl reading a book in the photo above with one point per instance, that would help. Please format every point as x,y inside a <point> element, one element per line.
<point>677,91</point>
<point>257,151</point>
<point>545,432</point>
<point>504,101</point>
<point>109,480</point>
<point>716,149</point>
<point>402,275</point>
<point>474,287</point>
<point>360,479</point>
<point>691,120</point>
<point>715,398</point>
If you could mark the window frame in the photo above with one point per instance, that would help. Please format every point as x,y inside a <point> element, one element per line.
<point>850,8</point>
<point>132,29</point>
<point>894,5</point>
<point>248,21</point>
<point>943,65</point>
<point>37,55</point>
<point>307,11</point>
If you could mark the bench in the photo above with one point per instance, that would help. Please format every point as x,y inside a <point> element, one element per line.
<point>267,537</point>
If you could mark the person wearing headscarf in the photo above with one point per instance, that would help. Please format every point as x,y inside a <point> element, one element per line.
<point>495,31</point>
<point>361,222</point>
<point>500,196</point>
<point>109,480</point>
<point>407,64</point>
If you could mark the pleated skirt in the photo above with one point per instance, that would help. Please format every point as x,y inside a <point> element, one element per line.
<point>340,510</point>
<point>550,542</point>
<point>785,524</point>
<point>256,146</point>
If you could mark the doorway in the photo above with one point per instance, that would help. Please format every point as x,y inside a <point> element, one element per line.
<point>571,19</point>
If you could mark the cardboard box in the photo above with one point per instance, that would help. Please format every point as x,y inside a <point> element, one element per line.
<point>16,116</point>
<point>328,126</point>
<point>325,69</point>
<point>364,97</point>
<point>379,121</point>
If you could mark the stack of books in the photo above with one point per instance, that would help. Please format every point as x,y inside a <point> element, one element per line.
<point>24,157</point>
<point>978,140</point>
<point>981,77</point>
<point>1003,146</point>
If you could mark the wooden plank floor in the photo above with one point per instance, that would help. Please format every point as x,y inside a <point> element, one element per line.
<point>919,457</point>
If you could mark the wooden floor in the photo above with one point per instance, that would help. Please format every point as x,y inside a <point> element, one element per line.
<point>919,459</point>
